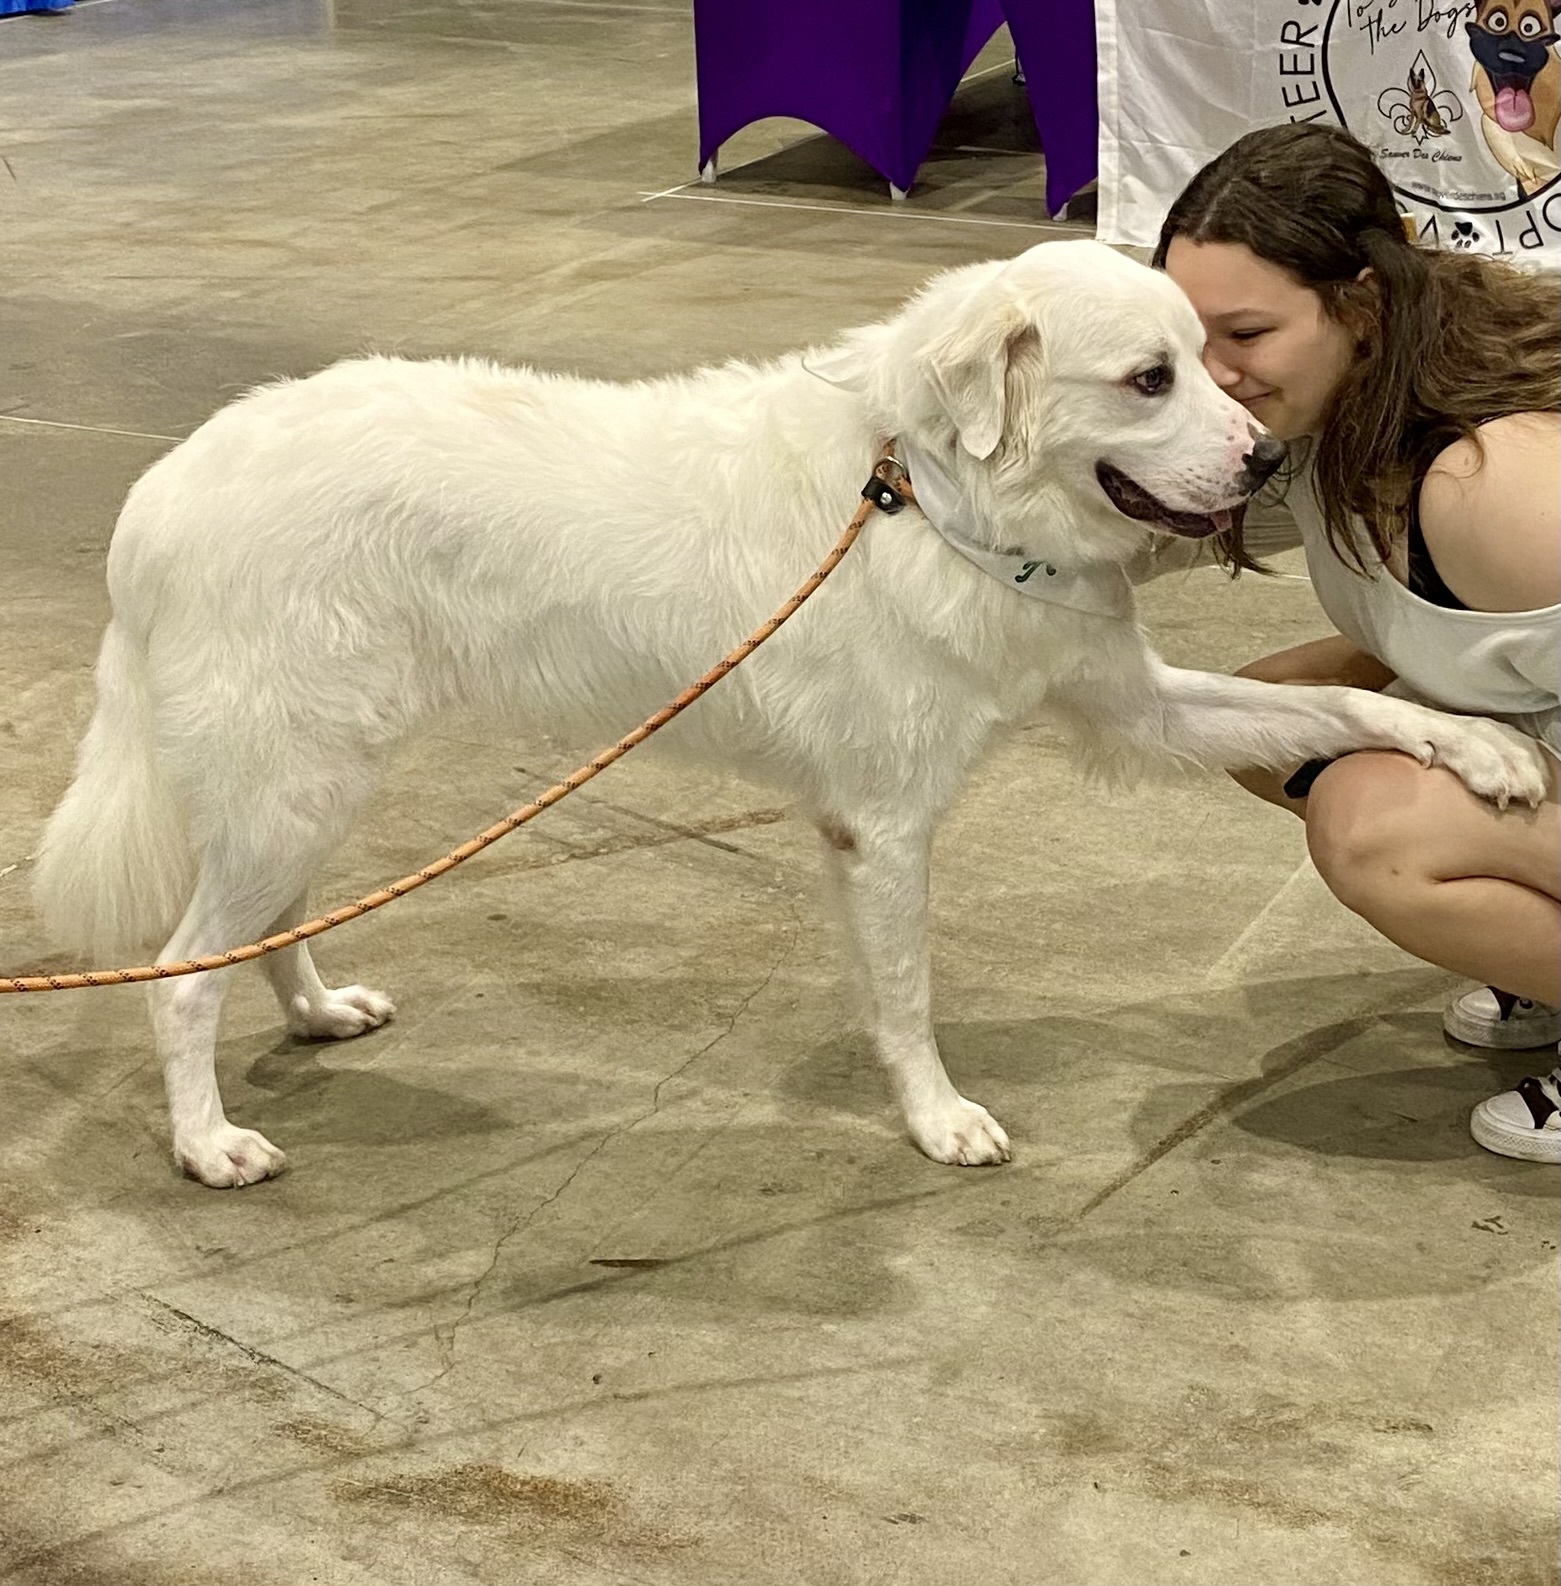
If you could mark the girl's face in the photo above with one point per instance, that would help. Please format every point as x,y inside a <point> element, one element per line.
<point>1271,343</point>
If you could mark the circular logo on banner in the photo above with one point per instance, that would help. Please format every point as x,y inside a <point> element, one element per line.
<point>1460,100</point>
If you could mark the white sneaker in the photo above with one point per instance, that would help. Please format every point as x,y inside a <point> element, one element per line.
<point>1525,1123</point>
<point>1490,1018</point>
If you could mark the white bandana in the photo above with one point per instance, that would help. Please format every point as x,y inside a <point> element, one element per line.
<point>1101,591</point>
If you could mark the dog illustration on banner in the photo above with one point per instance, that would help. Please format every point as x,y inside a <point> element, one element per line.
<point>1419,110</point>
<point>1517,80</point>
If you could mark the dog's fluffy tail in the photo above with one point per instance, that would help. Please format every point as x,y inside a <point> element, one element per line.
<point>115,871</point>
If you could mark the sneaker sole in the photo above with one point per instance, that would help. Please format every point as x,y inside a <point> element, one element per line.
<point>1508,1036</point>
<point>1526,1145</point>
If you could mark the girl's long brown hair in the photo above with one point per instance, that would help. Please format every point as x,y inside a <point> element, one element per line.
<point>1447,340</point>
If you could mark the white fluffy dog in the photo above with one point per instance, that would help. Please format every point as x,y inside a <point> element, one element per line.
<point>332,563</point>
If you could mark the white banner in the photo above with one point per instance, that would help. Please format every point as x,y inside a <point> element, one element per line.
<point>1458,99</point>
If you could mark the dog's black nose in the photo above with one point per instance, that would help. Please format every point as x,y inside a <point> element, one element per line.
<point>1261,463</point>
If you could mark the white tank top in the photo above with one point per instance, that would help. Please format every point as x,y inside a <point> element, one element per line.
<point>1505,664</point>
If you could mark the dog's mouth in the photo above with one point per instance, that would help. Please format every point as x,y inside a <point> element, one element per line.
<point>1133,501</point>
<point>1514,103</point>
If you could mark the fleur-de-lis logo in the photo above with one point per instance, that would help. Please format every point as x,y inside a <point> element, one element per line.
<point>1420,110</point>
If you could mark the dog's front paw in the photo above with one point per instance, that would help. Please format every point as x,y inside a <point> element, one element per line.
<point>960,1131</point>
<point>225,1157</point>
<point>1495,761</point>
<point>340,1015</point>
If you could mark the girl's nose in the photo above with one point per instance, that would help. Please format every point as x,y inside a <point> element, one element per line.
<point>1221,373</point>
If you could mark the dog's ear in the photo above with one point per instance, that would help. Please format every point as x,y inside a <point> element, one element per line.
<point>967,368</point>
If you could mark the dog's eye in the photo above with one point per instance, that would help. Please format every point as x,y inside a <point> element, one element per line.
<point>1152,382</point>
<point>1529,27</point>
<point>1496,22</point>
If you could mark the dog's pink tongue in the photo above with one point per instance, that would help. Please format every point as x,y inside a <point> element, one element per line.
<point>1515,109</point>
<point>1221,520</point>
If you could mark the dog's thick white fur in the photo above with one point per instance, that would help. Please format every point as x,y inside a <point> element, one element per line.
<point>331,564</point>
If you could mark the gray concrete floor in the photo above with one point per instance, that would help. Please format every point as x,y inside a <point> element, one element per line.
<point>606,1262</point>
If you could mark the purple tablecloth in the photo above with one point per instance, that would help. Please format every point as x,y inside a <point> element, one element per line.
<point>1055,43</point>
<point>879,74</point>
<point>875,74</point>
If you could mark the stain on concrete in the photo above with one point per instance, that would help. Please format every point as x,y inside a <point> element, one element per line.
<point>325,1437</point>
<point>83,1371</point>
<point>70,1370</point>
<point>1280,1462</point>
<point>13,1225</point>
<point>549,1508</point>
<point>1517,1560</point>
<point>488,1492</point>
<point>40,1564</point>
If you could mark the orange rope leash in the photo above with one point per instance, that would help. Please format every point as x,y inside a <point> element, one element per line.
<point>887,476</point>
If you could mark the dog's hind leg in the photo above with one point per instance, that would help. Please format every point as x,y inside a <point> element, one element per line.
<point>256,851</point>
<point>255,858</point>
<point>313,1009</point>
<point>233,902</point>
<point>881,876</point>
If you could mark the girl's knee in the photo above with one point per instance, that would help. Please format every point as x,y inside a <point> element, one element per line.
<point>1360,824</point>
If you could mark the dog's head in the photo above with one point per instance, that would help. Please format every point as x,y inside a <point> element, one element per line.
<point>1513,44</point>
<point>1066,389</point>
